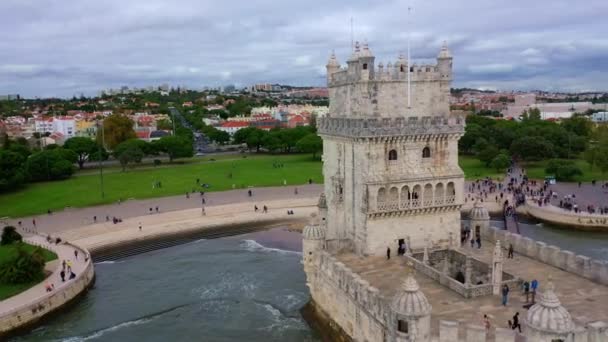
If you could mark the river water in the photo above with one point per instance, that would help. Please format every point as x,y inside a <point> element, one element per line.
<point>243,288</point>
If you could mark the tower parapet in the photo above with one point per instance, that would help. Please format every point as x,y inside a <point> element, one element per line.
<point>364,90</point>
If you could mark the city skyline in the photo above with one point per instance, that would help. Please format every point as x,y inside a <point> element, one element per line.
<point>49,50</point>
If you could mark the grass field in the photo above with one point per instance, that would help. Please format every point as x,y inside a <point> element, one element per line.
<point>536,170</point>
<point>255,170</point>
<point>473,168</point>
<point>84,190</point>
<point>6,253</point>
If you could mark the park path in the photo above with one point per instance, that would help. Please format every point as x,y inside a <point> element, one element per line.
<point>37,292</point>
<point>72,218</point>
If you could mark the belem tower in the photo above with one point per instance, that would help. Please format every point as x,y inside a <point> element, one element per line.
<point>392,181</point>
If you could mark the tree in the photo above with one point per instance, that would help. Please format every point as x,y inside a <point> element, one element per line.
<point>10,235</point>
<point>251,136</point>
<point>532,114</point>
<point>12,170</point>
<point>564,170</point>
<point>578,125</point>
<point>175,147</point>
<point>164,125</point>
<point>130,154</point>
<point>488,154</point>
<point>310,143</point>
<point>602,159</point>
<point>271,142</point>
<point>530,148</point>
<point>83,147</point>
<point>51,164</point>
<point>23,268</point>
<point>500,162</point>
<point>116,129</point>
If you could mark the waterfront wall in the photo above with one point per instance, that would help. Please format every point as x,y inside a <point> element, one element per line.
<point>551,214</point>
<point>355,306</point>
<point>27,315</point>
<point>583,266</point>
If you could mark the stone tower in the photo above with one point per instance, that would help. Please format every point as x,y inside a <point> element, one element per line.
<point>548,320</point>
<point>391,167</point>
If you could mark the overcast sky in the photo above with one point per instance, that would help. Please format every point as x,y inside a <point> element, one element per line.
<point>65,47</point>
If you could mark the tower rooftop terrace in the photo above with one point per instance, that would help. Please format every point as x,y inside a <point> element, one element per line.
<point>584,299</point>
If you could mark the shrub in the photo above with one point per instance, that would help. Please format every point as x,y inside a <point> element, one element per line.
<point>564,170</point>
<point>157,162</point>
<point>23,268</point>
<point>10,235</point>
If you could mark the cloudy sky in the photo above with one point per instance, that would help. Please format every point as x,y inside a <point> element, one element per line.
<point>65,47</point>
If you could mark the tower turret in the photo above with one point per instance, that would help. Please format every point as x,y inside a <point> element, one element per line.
<point>412,313</point>
<point>332,66</point>
<point>366,63</point>
<point>444,63</point>
<point>548,320</point>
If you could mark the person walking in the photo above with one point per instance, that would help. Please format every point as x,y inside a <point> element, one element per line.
<point>94,219</point>
<point>62,275</point>
<point>34,222</point>
<point>69,263</point>
<point>478,240</point>
<point>140,226</point>
<point>505,294</point>
<point>516,323</point>
<point>63,264</point>
<point>203,211</point>
<point>510,253</point>
<point>255,208</point>
<point>486,322</point>
<point>157,209</point>
<point>534,286</point>
<point>265,209</point>
<point>527,290</point>
<point>76,254</point>
<point>388,253</point>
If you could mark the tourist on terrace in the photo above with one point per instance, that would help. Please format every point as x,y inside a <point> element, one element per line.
<point>516,322</point>
<point>510,253</point>
<point>527,290</point>
<point>505,294</point>
<point>534,286</point>
<point>388,253</point>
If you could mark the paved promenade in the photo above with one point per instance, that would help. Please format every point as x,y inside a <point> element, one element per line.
<point>105,234</point>
<point>32,295</point>
<point>78,217</point>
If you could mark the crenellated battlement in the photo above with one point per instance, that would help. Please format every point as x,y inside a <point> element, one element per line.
<point>403,88</point>
<point>390,126</point>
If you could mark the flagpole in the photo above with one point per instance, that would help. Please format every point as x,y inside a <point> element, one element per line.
<point>409,63</point>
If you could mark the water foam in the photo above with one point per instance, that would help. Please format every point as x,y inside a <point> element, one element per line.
<point>102,332</point>
<point>108,262</point>
<point>254,246</point>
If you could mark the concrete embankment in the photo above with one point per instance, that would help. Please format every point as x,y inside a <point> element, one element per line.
<point>107,240</point>
<point>27,309</point>
<point>563,218</point>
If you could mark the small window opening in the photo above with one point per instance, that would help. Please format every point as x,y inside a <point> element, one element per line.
<point>392,155</point>
<point>402,326</point>
<point>364,66</point>
<point>426,152</point>
<point>401,68</point>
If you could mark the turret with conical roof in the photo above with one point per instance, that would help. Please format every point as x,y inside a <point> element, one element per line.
<point>412,312</point>
<point>444,62</point>
<point>479,219</point>
<point>332,65</point>
<point>548,320</point>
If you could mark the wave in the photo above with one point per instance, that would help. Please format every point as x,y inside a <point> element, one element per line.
<point>108,262</point>
<point>280,319</point>
<point>102,332</point>
<point>139,321</point>
<point>254,246</point>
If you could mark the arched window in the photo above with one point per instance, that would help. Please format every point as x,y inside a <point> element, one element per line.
<point>392,155</point>
<point>401,69</point>
<point>426,152</point>
<point>381,195</point>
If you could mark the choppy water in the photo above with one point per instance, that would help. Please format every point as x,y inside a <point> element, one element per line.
<point>246,288</point>
<point>231,289</point>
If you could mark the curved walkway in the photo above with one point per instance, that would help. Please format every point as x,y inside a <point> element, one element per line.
<point>557,215</point>
<point>28,306</point>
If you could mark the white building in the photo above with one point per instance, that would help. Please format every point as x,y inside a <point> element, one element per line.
<point>65,125</point>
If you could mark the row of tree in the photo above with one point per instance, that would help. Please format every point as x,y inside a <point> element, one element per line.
<point>286,140</point>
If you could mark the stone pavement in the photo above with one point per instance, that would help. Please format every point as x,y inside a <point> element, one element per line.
<point>35,293</point>
<point>77,217</point>
<point>100,235</point>
<point>585,300</point>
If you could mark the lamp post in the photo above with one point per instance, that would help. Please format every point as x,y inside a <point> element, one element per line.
<point>101,157</point>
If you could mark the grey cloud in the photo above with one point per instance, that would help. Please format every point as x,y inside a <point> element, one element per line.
<point>63,47</point>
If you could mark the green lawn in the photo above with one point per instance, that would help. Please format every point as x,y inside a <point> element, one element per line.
<point>474,169</point>
<point>84,190</point>
<point>6,253</point>
<point>536,170</point>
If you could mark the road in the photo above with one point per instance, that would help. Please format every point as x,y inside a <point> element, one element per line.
<point>200,142</point>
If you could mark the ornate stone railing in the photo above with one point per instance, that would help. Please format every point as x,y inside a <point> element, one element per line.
<point>401,126</point>
<point>450,199</point>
